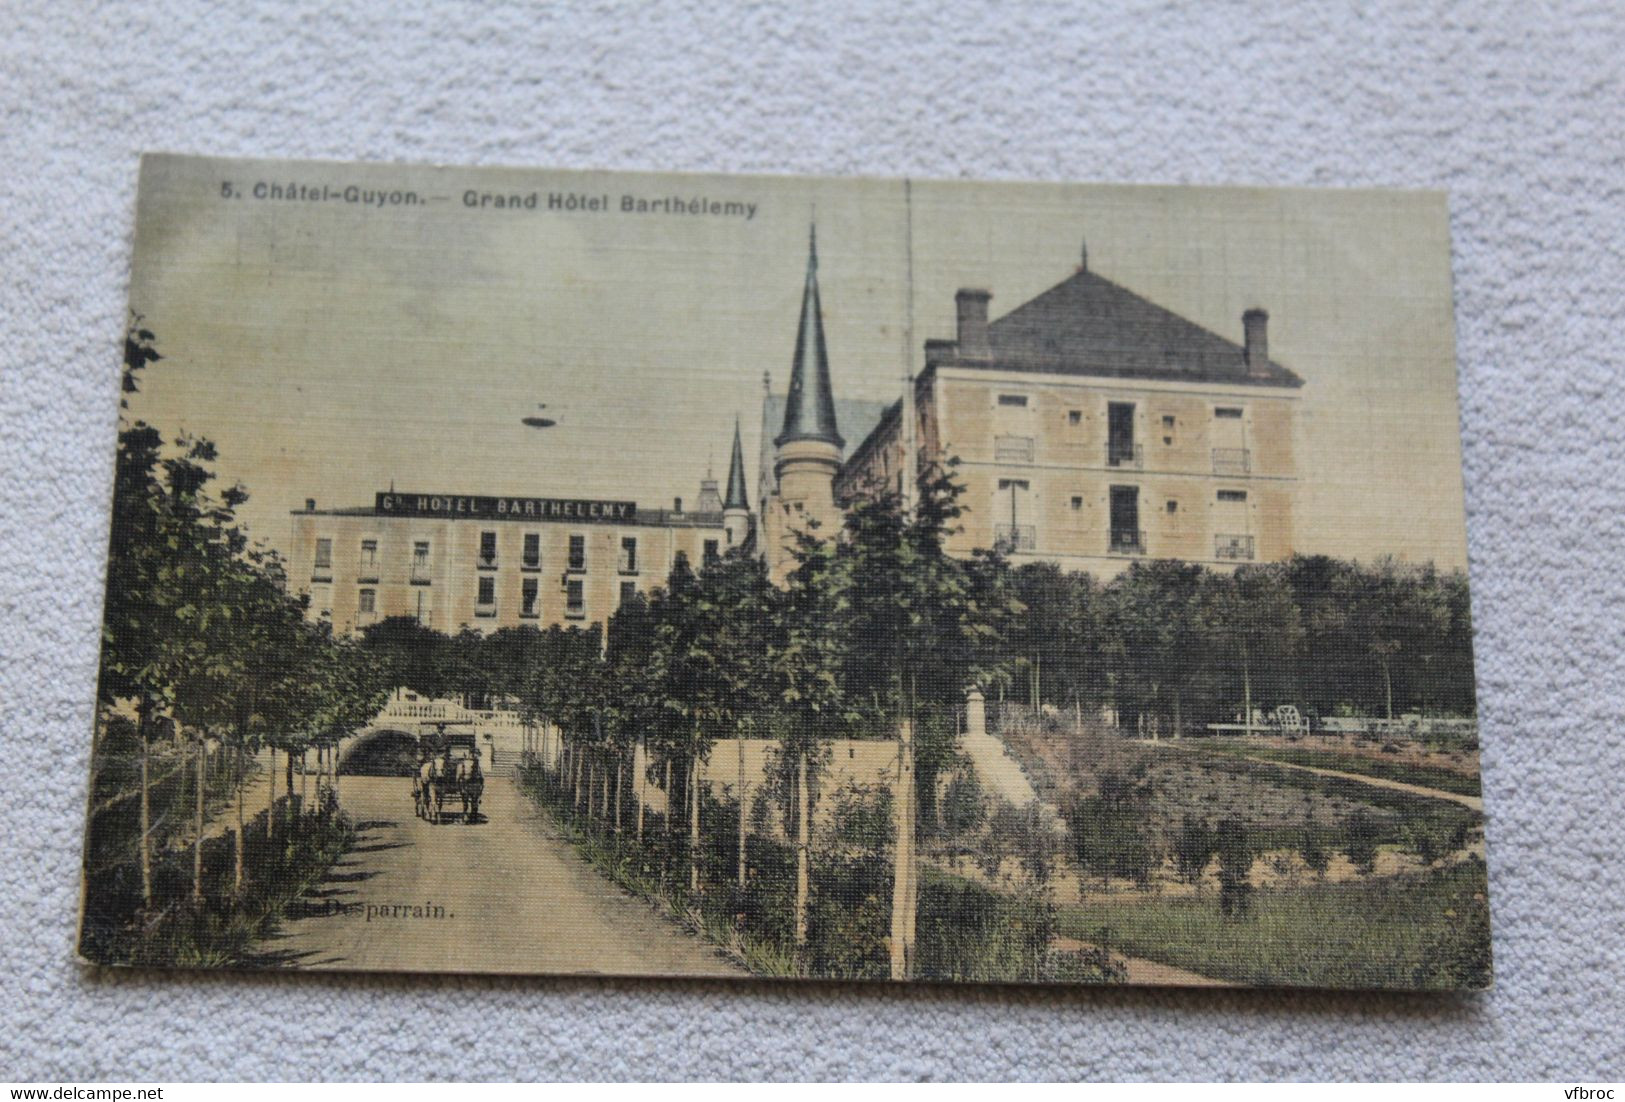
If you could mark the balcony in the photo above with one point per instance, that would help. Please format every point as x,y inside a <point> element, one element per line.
<point>1232,461</point>
<point>1120,454</point>
<point>1015,537</point>
<point>420,573</point>
<point>1127,541</point>
<point>366,570</point>
<point>1013,449</point>
<point>1233,547</point>
<point>486,562</point>
<point>530,564</point>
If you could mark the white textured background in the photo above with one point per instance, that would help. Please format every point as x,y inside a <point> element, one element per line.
<point>1516,108</point>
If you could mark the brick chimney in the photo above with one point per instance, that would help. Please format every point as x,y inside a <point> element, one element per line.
<point>1255,324</point>
<point>972,304</point>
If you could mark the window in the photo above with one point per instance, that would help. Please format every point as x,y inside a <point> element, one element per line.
<point>629,555</point>
<point>1074,416</point>
<point>710,551</point>
<point>1227,412</point>
<point>321,599</point>
<point>1077,502</point>
<point>423,607</point>
<point>531,559</point>
<point>488,591</point>
<point>367,602</point>
<point>324,555</point>
<point>1232,495</point>
<point>527,597</point>
<point>1121,450</point>
<point>1173,506</point>
<point>369,559</point>
<point>1013,400</point>
<point>420,562</point>
<point>575,598</point>
<point>578,553</point>
<point>628,591</point>
<point>1013,526</point>
<point>1126,536</point>
<point>1168,421</point>
<point>488,549</point>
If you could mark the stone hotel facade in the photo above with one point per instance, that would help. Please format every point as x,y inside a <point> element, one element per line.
<point>1093,428</point>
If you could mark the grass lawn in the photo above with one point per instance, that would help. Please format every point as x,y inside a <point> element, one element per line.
<point>1446,780</point>
<point>1414,931</point>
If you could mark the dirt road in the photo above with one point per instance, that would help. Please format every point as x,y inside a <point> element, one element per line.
<point>504,895</point>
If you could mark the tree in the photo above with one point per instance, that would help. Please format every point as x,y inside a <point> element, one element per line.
<point>1156,610</point>
<point>1254,631</point>
<point>805,665</point>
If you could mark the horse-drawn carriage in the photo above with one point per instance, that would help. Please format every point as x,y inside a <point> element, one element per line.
<point>448,774</point>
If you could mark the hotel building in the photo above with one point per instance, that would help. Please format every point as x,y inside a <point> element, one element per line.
<point>1094,427</point>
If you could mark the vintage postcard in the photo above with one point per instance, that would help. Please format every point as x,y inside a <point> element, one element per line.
<point>570,572</point>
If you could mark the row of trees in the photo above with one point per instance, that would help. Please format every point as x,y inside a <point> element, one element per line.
<point>875,635</point>
<point>206,658</point>
<point>1175,645</point>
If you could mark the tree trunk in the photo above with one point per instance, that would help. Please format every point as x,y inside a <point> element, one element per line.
<point>903,872</point>
<point>1247,691</point>
<point>197,820</point>
<point>694,822</point>
<point>146,810</point>
<point>743,805</point>
<point>670,806</point>
<point>641,769</point>
<point>239,870</point>
<point>803,836</point>
<point>620,790</point>
<point>1388,687</point>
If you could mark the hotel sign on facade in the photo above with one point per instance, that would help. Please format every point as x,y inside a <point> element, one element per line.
<point>473,507</point>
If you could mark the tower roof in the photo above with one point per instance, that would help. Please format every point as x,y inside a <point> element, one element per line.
<point>809,410</point>
<point>736,497</point>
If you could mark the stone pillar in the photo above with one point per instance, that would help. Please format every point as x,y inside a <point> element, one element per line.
<point>975,713</point>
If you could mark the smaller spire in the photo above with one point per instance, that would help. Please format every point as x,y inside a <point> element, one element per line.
<point>735,498</point>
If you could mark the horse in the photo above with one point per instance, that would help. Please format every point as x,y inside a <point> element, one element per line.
<point>470,786</point>
<point>425,786</point>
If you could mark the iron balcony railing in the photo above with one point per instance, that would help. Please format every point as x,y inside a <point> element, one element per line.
<point>1232,461</point>
<point>1232,547</point>
<point>486,562</point>
<point>367,570</point>
<point>1015,537</point>
<point>420,573</point>
<point>1013,449</point>
<point>1121,454</point>
<point>1127,541</point>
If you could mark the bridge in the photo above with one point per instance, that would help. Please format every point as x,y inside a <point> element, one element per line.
<point>388,743</point>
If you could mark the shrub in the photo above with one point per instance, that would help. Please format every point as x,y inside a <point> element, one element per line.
<point>1360,843</point>
<point>1236,857</point>
<point>1193,849</point>
<point>1312,848</point>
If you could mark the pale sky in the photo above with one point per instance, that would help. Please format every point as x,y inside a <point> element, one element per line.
<point>330,348</point>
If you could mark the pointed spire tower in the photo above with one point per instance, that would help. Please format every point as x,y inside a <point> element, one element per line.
<point>807,450</point>
<point>809,409</point>
<point>736,503</point>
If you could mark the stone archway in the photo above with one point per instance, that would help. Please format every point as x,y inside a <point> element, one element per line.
<point>386,752</point>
